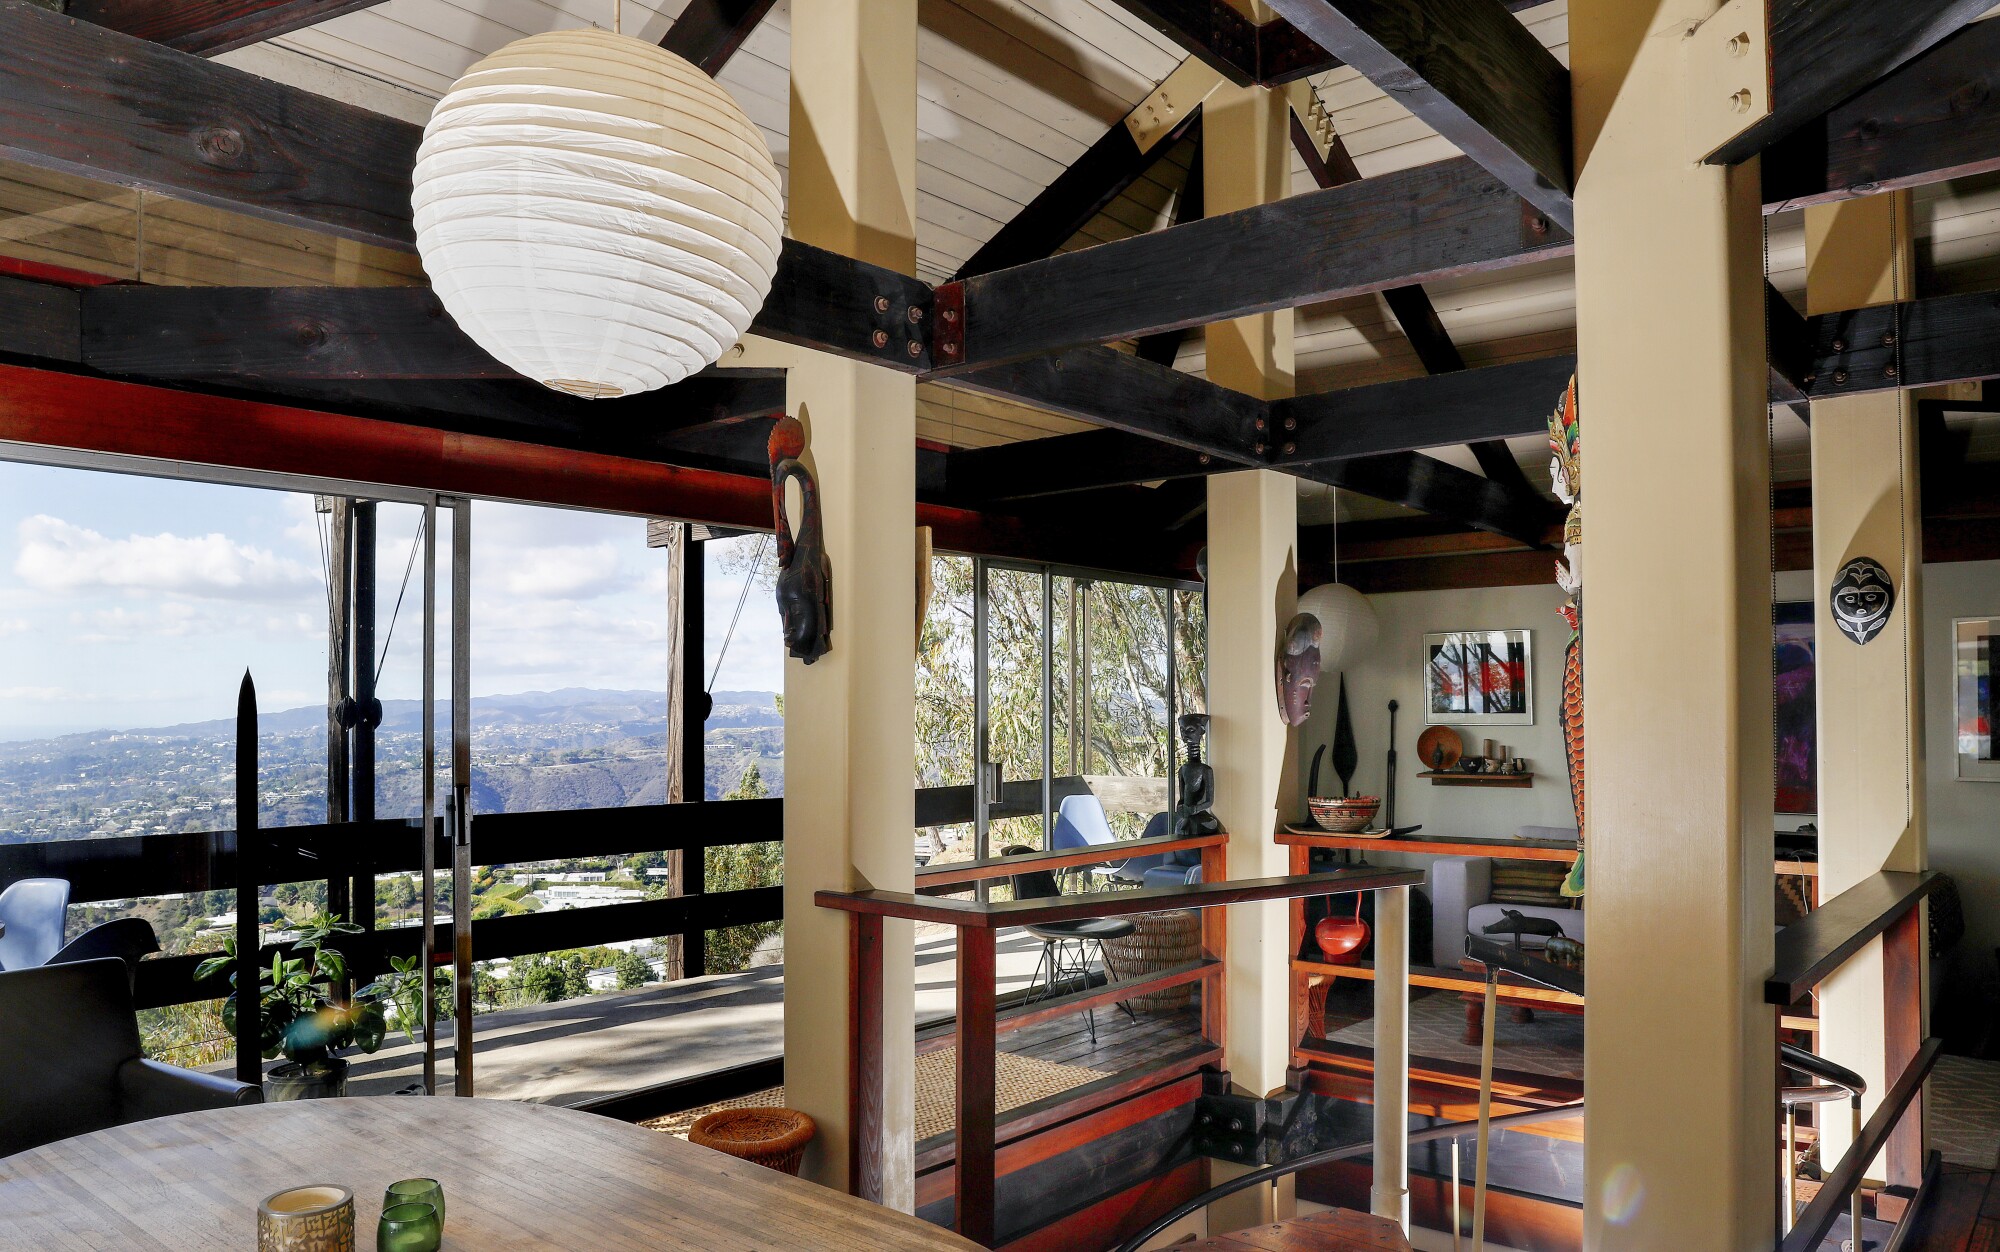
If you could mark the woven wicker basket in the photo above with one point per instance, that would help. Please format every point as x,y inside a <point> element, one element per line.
<point>1158,941</point>
<point>774,1138</point>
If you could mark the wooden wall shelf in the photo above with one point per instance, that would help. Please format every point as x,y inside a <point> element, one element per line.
<point>1453,778</point>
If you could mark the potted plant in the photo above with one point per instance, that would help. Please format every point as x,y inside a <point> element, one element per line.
<point>302,1014</point>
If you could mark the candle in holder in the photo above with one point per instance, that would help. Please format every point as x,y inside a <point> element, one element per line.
<point>409,1227</point>
<point>416,1191</point>
<point>314,1218</point>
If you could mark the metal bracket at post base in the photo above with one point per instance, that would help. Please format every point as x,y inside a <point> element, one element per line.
<point>1252,1130</point>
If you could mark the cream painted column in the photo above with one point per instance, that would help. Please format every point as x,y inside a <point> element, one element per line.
<point>1679,1059</point>
<point>1865,504</point>
<point>1252,593</point>
<point>850,716</point>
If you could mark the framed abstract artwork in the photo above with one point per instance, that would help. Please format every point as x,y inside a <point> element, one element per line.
<point>1974,642</point>
<point>1796,708</point>
<point>1479,678</point>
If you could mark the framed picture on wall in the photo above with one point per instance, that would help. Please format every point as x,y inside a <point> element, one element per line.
<point>1795,706</point>
<point>1974,640</point>
<point>1479,678</point>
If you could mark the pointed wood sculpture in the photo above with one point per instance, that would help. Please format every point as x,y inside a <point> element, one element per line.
<point>249,1027</point>
<point>1345,756</point>
<point>805,580</point>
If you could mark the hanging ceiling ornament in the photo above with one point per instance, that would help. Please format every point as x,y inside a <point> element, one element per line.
<point>1347,624</point>
<point>596,212</point>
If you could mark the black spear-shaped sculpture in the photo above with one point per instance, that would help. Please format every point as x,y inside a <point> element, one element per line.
<point>249,975</point>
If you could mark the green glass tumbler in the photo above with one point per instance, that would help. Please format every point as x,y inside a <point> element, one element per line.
<point>408,1228</point>
<point>416,1191</point>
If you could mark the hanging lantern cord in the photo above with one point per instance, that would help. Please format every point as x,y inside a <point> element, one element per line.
<point>617,17</point>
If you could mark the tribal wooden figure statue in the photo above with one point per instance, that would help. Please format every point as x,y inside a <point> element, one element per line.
<point>805,581</point>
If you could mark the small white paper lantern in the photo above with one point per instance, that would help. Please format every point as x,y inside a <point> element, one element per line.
<point>596,212</point>
<point>1347,624</point>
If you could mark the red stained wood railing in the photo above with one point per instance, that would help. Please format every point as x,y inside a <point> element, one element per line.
<point>979,1021</point>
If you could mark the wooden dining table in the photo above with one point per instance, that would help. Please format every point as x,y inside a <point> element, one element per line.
<point>515,1176</point>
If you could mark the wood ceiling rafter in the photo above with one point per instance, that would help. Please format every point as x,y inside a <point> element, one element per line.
<point>1121,157</point>
<point>1245,52</point>
<point>210,27</point>
<point>708,32</point>
<point>1490,87</point>
<point>1410,306</point>
<point>1821,52</point>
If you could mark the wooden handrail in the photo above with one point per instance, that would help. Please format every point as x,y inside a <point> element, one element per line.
<point>973,915</point>
<point>935,875</point>
<point>1034,1014</point>
<point>1822,941</point>
<point>1813,1224</point>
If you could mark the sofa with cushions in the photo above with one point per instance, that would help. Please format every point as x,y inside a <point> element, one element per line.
<point>1470,893</point>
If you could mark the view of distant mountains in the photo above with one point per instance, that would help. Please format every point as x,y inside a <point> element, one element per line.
<point>535,750</point>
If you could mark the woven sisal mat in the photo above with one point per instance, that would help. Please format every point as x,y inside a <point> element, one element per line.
<point>1019,1080</point>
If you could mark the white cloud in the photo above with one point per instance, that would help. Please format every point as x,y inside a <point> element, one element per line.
<point>554,572</point>
<point>56,555</point>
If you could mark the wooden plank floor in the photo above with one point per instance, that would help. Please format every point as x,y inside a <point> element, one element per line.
<point>1338,1231</point>
<point>1964,1216</point>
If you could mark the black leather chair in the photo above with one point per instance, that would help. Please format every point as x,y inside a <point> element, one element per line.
<point>70,1060</point>
<point>1065,945</point>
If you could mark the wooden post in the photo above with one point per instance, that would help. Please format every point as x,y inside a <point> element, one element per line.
<point>1390,1197</point>
<point>849,716</point>
<point>1253,586</point>
<point>1673,387</point>
<point>1215,947</point>
<point>673,537</point>
<point>864,1082</point>
<point>974,1165</point>
<point>1866,503</point>
<point>1905,949</point>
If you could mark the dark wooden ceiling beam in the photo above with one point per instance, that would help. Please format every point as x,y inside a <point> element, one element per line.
<point>1463,406</point>
<point>209,27</point>
<point>1224,39</point>
<point>1435,221</point>
<point>1470,70</point>
<point>1937,117</point>
<point>94,103</point>
<point>1113,389</point>
<point>1084,461</point>
<point>1820,52</point>
<point>1428,485</point>
<point>1918,343</point>
<point>1077,195</point>
<point>708,32</point>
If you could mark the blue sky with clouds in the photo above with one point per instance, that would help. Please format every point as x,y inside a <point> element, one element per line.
<point>128,601</point>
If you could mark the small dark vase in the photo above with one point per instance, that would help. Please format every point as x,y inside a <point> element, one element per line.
<point>311,1080</point>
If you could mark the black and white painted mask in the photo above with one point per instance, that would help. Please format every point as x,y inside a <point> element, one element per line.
<point>1862,599</point>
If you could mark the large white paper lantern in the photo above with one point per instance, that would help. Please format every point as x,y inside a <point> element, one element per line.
<point>596,212</point>
<point>1347,624</point>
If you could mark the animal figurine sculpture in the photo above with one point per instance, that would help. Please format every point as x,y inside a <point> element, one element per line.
<point>805,579</point>
<point>1197,782</point>
<point>1564,951</point>
<point>1516,923</point>
<point>1298,668</point>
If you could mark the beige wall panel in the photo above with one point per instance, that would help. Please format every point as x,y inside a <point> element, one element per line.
<point>1865,503</point>
<point>1677,656</point>
<point>850,716</point>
